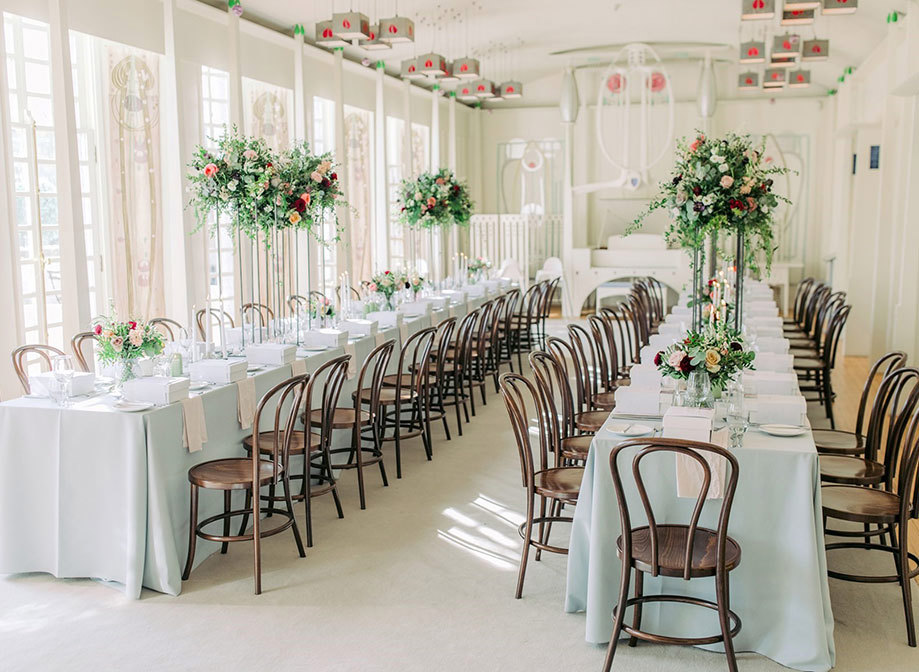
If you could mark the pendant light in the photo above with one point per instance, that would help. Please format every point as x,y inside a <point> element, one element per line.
<point>748,81</point>
<point>786,46</point>
<point>791,5</point>
<point>753,51</point>
<point>374,43</point>
<point>840,6</point>
<point>351,25</point>
<point>397,30</point>
<point>815,50</point>
<point>753,10</point>
<point>326,37</point>
<point>799,79</point>
<point>797,17</point>
<point>774,78</point>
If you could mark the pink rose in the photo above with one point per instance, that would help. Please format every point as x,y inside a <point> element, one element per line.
<point>136,338</point>
<point>117,343</point>
<point>250,154</point>
<point>751,203</point>
<point>316,176</point>
<point>210,170</point>
<point>675,358</point>
<point>372,287</point>
<point>305,197</point>
<point>727,181</point>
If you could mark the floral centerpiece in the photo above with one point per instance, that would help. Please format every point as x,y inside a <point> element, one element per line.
<point>414,281</point>
<point>434,200</point>
<point>321,308</point>
<point>386,283</point>
<point>720,185</point>
<point>123,343</point>
<point>478,267</point>
<point>308,187</point>
<point>716,350</point>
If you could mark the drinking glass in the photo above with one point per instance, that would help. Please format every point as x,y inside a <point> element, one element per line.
<point>62,369</point>
<point>736,420</point>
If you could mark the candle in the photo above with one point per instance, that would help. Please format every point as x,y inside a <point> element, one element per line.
<point>207,317</point>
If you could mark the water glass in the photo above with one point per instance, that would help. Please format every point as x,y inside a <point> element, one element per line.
<point>62,369</point>
<point>736,421</point>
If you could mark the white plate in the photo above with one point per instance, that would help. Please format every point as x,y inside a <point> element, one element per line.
<point>314,348</point>
<point>783,430</point>
<point>629,429</point>
<point>198,385</point>
<point>132,406</point>
<point>255,367</point>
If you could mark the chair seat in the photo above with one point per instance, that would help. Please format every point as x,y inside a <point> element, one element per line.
<point>605,400</point>
<point>859,504</point>
<point>297,442</point>
<point>576,447</point>
<point>808,364</point>
<point>234,473</point>
<point>804,352</point>
<point>838,442</point>
<point>559,483</point>
<point>591,421</point>
<point>672,550</point>
<point>342,418</point>
<point>850,470</point>
<point>387,394</point>
<point>800,342</point>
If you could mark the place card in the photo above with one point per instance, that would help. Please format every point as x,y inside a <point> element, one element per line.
<point>220,371</point>
<point>475,291</point>
<point>156,390</point>
<point>415,308</point>
<point>275,354</point>
<point>693,424</point>
<point>658,342</point>
<point>638,401</point>
<point>386,319</point>
<point>645,377</point>
<point>769,382</point>
<point>438,302</point>
<point>778,409</point>
<point>42,384</point>
<point>774,344</point>
<point>769,361</point>
<point>331,338</point>
<point>360,328</point>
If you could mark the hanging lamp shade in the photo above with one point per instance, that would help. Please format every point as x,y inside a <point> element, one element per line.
<point>511,89</point>
<point>799,79</point>
<point>466,91</point>
<point>484,88</point>
<point>326,37</point>
<point>449,74</point>
<point>351,25</point>
<point>397,30</point>
<point>786,46</point>
<point>752,52</point>
<point>815,50</point>
<point>752,10</point>
<point>797,17</point>
<point>410,69</point>
<point>373,43</point>
<point>748,81</point>
<point>774,78</point>
<point>791,5</point>
<point>570,101</point>
<point>840,6</point>
<point>466,68</point>
<point>432,64</point>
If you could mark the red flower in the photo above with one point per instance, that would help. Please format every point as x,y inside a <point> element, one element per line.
<point>686,364</point>
<point>697,190</point>
<point>657,359</point>
<point>386,273</point>
<point>325,182</point>
<point>334,176</point>
<point>133,325</point>
<point>98,329</point>
<point>268,165</point>
<point>686,341</point>
<point>300,205</point>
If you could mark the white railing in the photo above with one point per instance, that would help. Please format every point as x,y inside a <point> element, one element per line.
<point>527,239</point>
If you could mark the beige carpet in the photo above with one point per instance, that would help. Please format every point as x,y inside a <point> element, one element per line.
<point>422,580</point>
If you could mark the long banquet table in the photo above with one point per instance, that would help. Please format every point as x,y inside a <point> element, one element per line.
<point>780,589</point>
<point>87,491</point>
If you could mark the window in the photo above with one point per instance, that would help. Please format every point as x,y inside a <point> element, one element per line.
<point>358,160</point>
<point>421,148</point>
<point>215,115</point>
<point>32,145</point>
<point>267,112</point>
<point>324,141</point>
<point>395,131</point>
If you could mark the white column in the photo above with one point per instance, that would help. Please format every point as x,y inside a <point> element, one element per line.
<point>75,292</point>
<point>568,222</point>
<point>307,252</point>
<point>451,164</point>
<point>408,170</point>
<point>435,127</point>
<point>380,231</point>
<point>344,215</point>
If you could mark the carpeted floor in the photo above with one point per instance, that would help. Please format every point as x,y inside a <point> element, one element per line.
<point>421,581</point>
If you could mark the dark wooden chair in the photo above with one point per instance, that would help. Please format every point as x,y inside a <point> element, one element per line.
<point>819,369</point>
<point>20,365</point>
<point>590,361</point>
<point>505,351</point>
<point>250,474</point>
<point>521,326</point>
<point>356,419</point>
<point>802,293</point>
<point>353,293</point>
<point>547,482</point>
<point>264,313</point>
<point>168,327</point>
<point>556,389</point>
<point>889,507</point>
<point>221,317</point>
<point>586,419</point>
<point>455,367</point>
<point>684,551</point>
<point>549,290</point>
<point>78,345</point>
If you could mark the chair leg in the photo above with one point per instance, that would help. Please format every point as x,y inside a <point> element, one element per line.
<point>619,618</point>
<point>722,592</point>
<point>192,532</point>
<point>906,585</point>
<point>828,394</point>
<point>356,449</point>
<point>397,433</point>
<point>542,526</point>
<point>527,537</point>
<point>327,461</point>
<point>293,518</point>
<point>257,538</point>
<point>307,503</point>
<point>636,616</point>
<point>245,521</point>
<point>226,521</point>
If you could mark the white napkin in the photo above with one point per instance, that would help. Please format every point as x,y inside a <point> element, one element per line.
<point>670,330</point>
<point>770,382</point>
<point>778,345</point>
<point>298,367</point>
<point>761,309</point>
<point>195,434</point>
<point>658,342</point>
<point>778,409</point>
<point>646,355</point>
<point>245,407</point>
<point>638,401</point>
<point>768,361</point>
<point>764,323</point>
<point>645,377</point>
<point>689,473</point>
<point>352,363</point>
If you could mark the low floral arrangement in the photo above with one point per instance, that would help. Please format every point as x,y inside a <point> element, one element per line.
<point>434,200</point>
<point>719,351</point>
<point>414,282</point>
<point>386,283</point>
<point>321,308</point>
<point>478,267</point>
<point>720,185</point>
<point>125,342</point>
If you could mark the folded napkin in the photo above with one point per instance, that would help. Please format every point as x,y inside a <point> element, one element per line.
<point>646,354</point>
<point>690,475</point>
<point>761,309</point>
<point>778,345</point>
<point>273,354</point>
<point>682,311</point>
<point>769,361</point>
<point>298,367</point>
<point>638,401</point>
<point>769,331</point>
<point>658,342</point>
<point>379,339</point>
<point>245,406</point>
<point>352,363</point>
<point>360,328</point>
<point>438,302</point>
<point>195,435</point>
<point>415,308</point>
<point>386,319</point>
<point>403,333</point>
<point>670,330</point>
<point>219,370</point>
<point>645,377</point>
<point>42,384</point>
<point>778,409</point>
<point>332,338</point>
<point>158,390</point>
<point>475,291</point>
<point>762,323</point>
<point>770,382</point>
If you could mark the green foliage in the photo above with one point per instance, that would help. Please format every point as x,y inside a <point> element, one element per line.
<point>434,200</point>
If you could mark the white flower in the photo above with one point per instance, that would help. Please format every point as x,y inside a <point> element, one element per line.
<point>675,212</point>
<point>765,209</point>
<point>724,168</point>
<point>708,199</point>
<point>681,196</point>
<point>717,159</point>
<point>232,184</point>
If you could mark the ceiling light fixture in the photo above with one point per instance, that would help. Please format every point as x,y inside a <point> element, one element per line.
<point>774,78</point>
<point>752,52</point>
<point>326,37</point>
<point>815,50</point>
<point>748,81</point>
<point>797,17</point>
<point>799,79</point>
<point>753,10</point>
<point>786,46</point>
<point>351,25</point>
<point>840,6</point>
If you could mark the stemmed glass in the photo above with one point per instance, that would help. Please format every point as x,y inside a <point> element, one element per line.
<point>62,369</point>
<point>736,418</point>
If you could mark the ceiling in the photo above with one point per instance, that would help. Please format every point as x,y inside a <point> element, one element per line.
<point>520,39</point>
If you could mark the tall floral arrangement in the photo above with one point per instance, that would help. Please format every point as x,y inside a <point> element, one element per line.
<point>718,350</point>
<point>308,187</point>
<point>717,185</point>
<point>435,199</point>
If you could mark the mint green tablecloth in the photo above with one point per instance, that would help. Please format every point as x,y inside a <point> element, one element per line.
<point>780,589</point>
<point>90,492</point>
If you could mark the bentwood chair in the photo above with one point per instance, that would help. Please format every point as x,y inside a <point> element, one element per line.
<point>20,365</point>
<point>505,349</point>
<point>586,420</point>
<point>890,506</point>
<point>521,325</point>
<point>801,296</point>
<point>307,445</point>
<point>78,346</point>
<point>842,442</point>
<point>410,394</point>
<point>220,316</point>
<point>250,474</point>
<point>681,551</point>
<point>352,292</point>
<point>478,353</point>
<point>547,482</point>
<point>812,346</point>
<point>550,288</point>
<point>455,369</point>
<point>299,305</point>
<point>590,360</point>
<point>168,327</point>
<point>263,312</point>
<point>819,369</point>
<point>356,419</point>
<point>556,388</point>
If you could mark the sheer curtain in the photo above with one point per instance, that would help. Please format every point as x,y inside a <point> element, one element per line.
<point>131,89</point>
<point>358,160</point>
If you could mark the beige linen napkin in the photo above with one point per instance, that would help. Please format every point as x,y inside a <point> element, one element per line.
<point>403,333</point>
<point>298,367</point>
<point>352,363</point>
<point>195,433</point>
<point>689,473</point>
<point>380,339</point>
<point>245,407</point>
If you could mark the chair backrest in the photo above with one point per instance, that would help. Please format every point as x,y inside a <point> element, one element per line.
<point>585,350</point>
<point>695,451</point>
<point>608,358</point>
<point>215,314</point>
<point>817,298</point>
<point>556,389</point>
<point>908,470</point>
<point>287,398</point>
<point>462,350</point>
<point>548,295</point>
<point>511,301</point>
<point>353,292</point>
<point>883,367</point>
<point>639,314</point>
<point>371,376</point>
<point>565,355</point>
<point>496,320</point>
<point>483,330</point>
<point>331,376</point>
<point>802,294</point>
<point>20,365</point>
<point>168,327</point>
<point>824,318</point>
<point>895,399</point>
<point>415,363</point>
<point>316,294</point>
<point>524,401</point>
<point>297,303</point>
<point>529,306</point>
<point>263,312</point>
<point>76,345</point>
<point>834,332</point>
<point>443,340</point>
<point>628,349</point>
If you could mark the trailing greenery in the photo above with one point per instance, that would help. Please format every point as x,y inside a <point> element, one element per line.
<point>434,200</point>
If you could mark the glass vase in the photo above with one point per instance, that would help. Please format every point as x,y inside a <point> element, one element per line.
<point>699,390</point>
<point>125,371</point>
